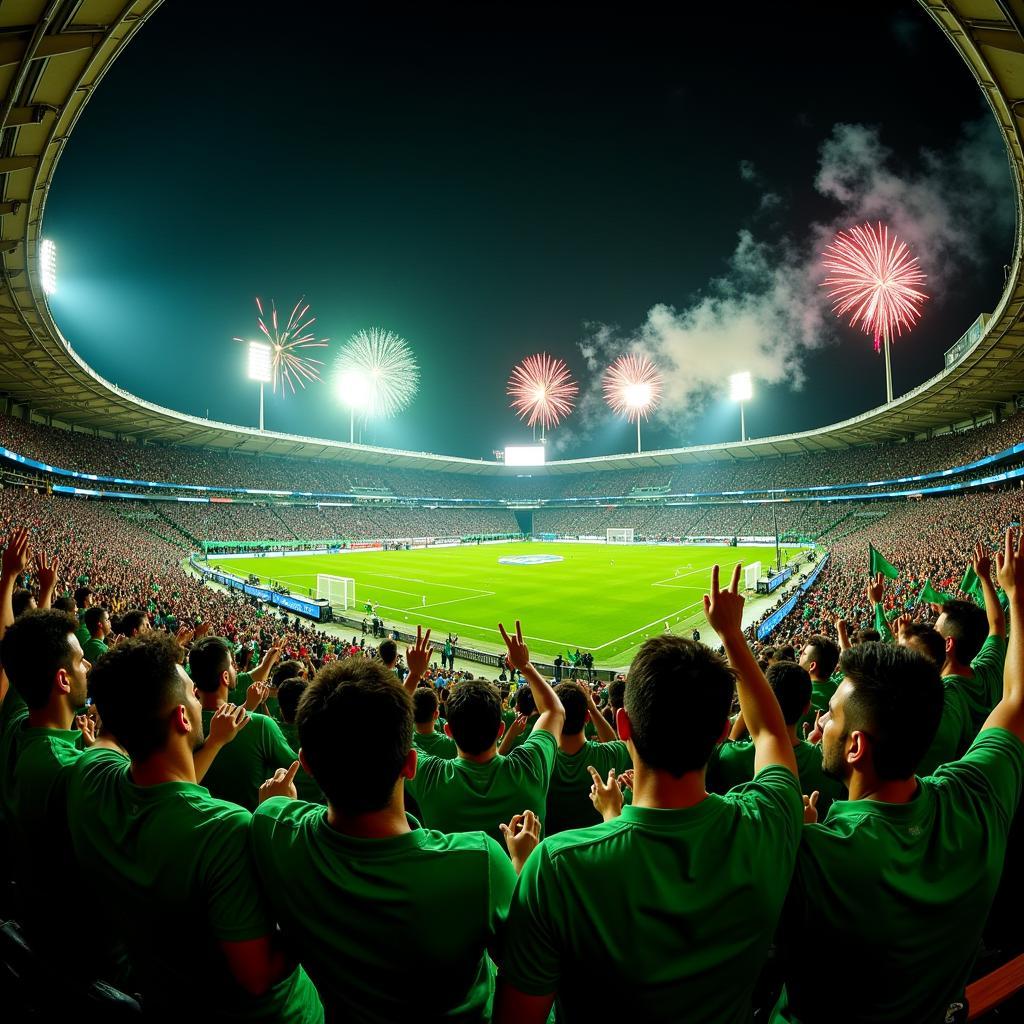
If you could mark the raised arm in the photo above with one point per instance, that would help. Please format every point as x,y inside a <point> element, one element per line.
<point>1009,712</point>
<point>982,565</point>
<point>876,588</point>
<point>417,659</point>
<point>270,659</point>
<point>552,714</point>
<point>843,634</point>
<point>46,573</point>
<point>15,559</point>
<point>605,733</point>
<point>758,705</point>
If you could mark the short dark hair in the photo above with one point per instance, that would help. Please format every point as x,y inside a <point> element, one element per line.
<point>926,640</point>
<point>286,670</point>
<point>575,703</point>
<point>826,654</point>
<point>967,624</point>
<point>896,698</point>
<point>208,658</point>
<point>364,692</point>
<point>474,715</point>
<point>678,696</point>
<point>82,594</point>
<point>866,636</point>
<point>617,693</point>
<point>131,621</point>
<point>388,651</point>
<point>792,687</point>
<point>135,686</point>
<point>289,694</point>
<point>424,704</point>
<point>785,653</point>
<point>93,617</point>
<point>34,647</point>
<point>65,604</point>
<point>21,601</point>
<point>525,704</point>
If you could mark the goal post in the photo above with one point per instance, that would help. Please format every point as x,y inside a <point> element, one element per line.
<point>619,535</point>
<point>340,591</point>
<point>751,574</point>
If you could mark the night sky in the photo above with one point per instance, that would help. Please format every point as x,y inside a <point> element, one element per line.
<point>487,187</point>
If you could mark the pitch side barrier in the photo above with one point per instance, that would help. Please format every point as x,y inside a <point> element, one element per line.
<point>817,492</point>
<point>282,549</point>
<point>767,625</point>
<point>318,610</point>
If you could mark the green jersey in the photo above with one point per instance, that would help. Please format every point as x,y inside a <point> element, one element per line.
<point>93,649</point>
<point>178,877</point>
<point>732,764</point>
<point>435,743</point>
<point>305,784</point>
<point>569,803</point>
<point>984,689</point>
<point>954,734</point>
<point>902,890</point>
<point>343,903</point>
<point>697,890</point>
<point>83,634</point>
<point>463,796</point>
<point>244,764</point>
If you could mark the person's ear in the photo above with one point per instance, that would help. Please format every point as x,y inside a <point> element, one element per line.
<point>409,765</point>
<point>448,731</point>
<point>302,762</point>
<point>806,711</point>
<point>61,680</point>
<point>857,755</point>
<point>180,721</point>
<point>437,714</point>
<point>949,644</point>
<point>623,726</point>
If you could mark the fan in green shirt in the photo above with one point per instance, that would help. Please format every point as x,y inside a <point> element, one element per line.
<point>819,656</point>
<point>289,693</point>
<point>665,911</point>
<point>480,789</point>
<point>97,622</point>
<point>898,881</point>
<point>356,881</point>
<point>569,804</point>
<point>173,863</point>
<point>425,733</point>
<point>259,750</point>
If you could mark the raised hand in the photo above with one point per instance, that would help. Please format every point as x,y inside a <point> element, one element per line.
<point>876,588</point>
<point>202,628</point>
<point>981,563</point>
<point>282,784</point>
<point>227,722</point>
<point>605,796</point>
<point>902,622</point>
<point>625,780</point>
<point>87,727</point>
<point>417,657</point>
<point>724,608</point>
<point>255,695</point>
<point>15,559</point>
<point>518,726</point>
<point>811,808</point>
<point>184,635</point>
<point>1010,563</point>
<point>522,834</point>
<point>46,573</point>
<point>518,656</point>
<point>821,719</point>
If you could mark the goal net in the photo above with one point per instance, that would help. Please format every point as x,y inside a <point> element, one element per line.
<point>751,574</point>
<point>340,591</point>
<point>619,535</point>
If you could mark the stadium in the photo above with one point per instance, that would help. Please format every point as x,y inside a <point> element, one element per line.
<point>877,549</point>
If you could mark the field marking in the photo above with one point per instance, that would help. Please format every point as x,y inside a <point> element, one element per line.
<point>666,581</point>
<point>426,583</point>
<point>653,622</point>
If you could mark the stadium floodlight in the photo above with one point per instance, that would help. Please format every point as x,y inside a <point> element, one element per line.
<point>260,368</point>
<point>48,266</point>
<point>741,389</point>
<point>354,391</point>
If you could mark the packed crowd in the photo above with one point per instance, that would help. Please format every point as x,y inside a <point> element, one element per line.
<point>699,840</point>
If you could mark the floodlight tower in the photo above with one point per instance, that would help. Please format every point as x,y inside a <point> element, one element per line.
<point>260,368</point>
<point>741,390</point>
<point>354,391</point>
<point>48,266</point>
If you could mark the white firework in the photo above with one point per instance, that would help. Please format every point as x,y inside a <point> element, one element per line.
<point>377,373</point>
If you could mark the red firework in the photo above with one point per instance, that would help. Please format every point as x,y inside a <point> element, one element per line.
<point>287,366</point>
<point>542,390</point>
<point>632,386</point>
<point>873,277</point>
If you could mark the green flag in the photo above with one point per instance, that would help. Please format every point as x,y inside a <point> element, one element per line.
<point>929,595</point>
<point>880,565</point>
<point>970,584</point>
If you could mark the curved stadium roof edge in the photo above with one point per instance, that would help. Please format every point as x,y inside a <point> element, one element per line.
<point>52,57</point>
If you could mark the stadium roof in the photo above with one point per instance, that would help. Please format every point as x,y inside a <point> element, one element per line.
<point>53,55</point>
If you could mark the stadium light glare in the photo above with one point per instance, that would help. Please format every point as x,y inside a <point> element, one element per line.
<point>260,368</point>
<point>353,387</point>
<point>741,389</point>
<point>48,266</point>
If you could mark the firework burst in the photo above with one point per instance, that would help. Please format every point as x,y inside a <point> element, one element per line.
<point>287,365</point>
<point>542,390</point>
<point>632,386</point>
<point>377,373</point>
<point>874,279</point>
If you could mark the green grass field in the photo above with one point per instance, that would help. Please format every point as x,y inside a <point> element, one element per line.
<point>605,599</point>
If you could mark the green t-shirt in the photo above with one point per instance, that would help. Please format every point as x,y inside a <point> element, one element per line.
<point>344,903</point>
<point>902,891</point>
<point>569,803</point>
<point>531,721</point>
<point>244,764</point>
<point>463,796</point>
<point>83,635</point>
<point>436,744</point>
<point>93,649</point>
<point>984,689</point>
<point>955,731</point>
<point>305,784</point>
<point>732,764</point>
<point>177,876</point>
<point>658,915</point>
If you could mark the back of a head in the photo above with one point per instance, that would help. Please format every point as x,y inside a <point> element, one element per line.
<point>525,704</point>
<point>289,694</point>
<point>65,604</point>
<point>388,652</point>
<point>785,653</point>
<point>33,649</point>
<point>136,686</point>
<point>896,699</point>
<point>424,703</point>
<point>286,670</point>
<point>575,704</point>
<point>866,636</point>
<point>678,697</point>
<point>824,653</point>
<point>925,640</point>
<point>474,715</point>
<point>82,596</point>
<point>208,660</point>
<point>967,624</point>
<point>22,601</point>
<point>355,690</point>
<point>617,693</point>
<point>792,687</point>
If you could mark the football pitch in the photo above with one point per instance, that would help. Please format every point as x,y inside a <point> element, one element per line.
<point>606,599</point>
